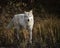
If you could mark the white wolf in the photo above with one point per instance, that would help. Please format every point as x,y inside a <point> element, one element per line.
<point>26,20</point>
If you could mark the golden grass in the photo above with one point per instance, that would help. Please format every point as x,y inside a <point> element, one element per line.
<point>46,33</point>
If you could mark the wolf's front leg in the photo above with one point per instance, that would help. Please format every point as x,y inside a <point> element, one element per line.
<point>29,44</point>
<point>30,36</point>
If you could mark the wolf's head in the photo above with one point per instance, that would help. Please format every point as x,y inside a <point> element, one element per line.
<point>28,16</point>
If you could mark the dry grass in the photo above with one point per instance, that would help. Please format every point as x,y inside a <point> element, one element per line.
<point>46,31</point>
<point>46,34</point>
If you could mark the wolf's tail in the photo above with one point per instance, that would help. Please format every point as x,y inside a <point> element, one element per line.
<point>9,26</point>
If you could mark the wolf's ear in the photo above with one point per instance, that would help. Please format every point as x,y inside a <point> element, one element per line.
<point>30,11</point>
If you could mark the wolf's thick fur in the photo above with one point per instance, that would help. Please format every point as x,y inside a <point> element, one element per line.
<point>25,20</point>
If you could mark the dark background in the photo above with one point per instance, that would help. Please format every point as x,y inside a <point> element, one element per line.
<point>52,6</point>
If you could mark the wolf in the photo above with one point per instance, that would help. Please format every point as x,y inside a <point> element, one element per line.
<point>26,20</point>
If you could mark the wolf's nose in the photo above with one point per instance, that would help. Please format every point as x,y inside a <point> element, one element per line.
<point>28,20</point>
